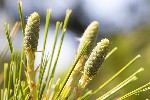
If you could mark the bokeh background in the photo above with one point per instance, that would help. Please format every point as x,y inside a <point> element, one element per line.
<point>125,22</point>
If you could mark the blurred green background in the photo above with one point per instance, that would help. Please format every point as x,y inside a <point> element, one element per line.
<point>125,22</point>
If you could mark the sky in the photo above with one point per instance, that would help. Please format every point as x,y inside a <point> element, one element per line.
<point>122,15</point>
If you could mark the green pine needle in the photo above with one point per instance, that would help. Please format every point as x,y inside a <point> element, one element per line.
<point>23,31</point>
<point>136,91</point>
<point>47,24</point>
<point>21,16</point>
<point>7,31</point>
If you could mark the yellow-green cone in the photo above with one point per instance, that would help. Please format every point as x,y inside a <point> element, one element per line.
<point>96,58</point>
<point>30,47</point>
<point>91,67</point>
<point>32,32</point>
<point>90,34</point>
